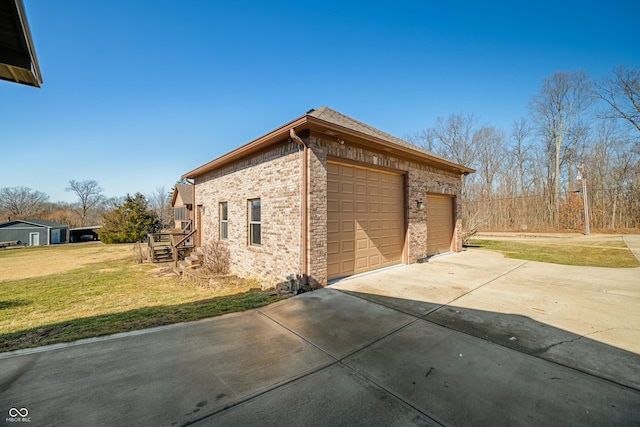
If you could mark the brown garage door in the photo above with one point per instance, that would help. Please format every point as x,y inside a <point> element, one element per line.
<point>365,219</point>
<point>439,224</point>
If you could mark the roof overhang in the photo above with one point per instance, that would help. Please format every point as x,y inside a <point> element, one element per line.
<point>18,61</point>
<point>254,146</point>
<point>378,144</point>
<point>311,123</point>
<point>174,196</point>
<point>91,227</point>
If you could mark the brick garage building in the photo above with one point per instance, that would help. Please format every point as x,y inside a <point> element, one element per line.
<point>326,196</point>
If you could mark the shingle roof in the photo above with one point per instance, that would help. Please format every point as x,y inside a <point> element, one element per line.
<point>41,222</point>
<point>333,120</point>
<point>332,116</point>
<point>185,193</point>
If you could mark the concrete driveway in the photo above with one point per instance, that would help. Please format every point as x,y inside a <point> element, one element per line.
<point>466,339</point>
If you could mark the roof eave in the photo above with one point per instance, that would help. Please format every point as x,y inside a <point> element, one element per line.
<point>249,148</point>
<point>310,122</point>
<point>174,196</point>
<point>35,67</point>
<point>389,146</point>
<point>27,73</point>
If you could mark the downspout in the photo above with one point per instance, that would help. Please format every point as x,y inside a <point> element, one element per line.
<point>304,206</point>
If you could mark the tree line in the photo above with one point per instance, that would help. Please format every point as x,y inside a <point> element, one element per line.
<point>530,177</point>
<point>92,208</point>
<point>581,132</point>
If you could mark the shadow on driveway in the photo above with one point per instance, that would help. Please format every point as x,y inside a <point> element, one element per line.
<point>443,343</point>
<point>526,335</point>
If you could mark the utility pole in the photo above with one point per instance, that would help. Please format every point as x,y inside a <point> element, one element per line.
<point>585,202</point>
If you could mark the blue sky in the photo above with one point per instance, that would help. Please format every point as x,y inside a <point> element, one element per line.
<point>137,93</point>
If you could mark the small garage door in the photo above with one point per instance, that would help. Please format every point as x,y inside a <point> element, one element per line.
<point>439,224</point>
<point>365,219</point>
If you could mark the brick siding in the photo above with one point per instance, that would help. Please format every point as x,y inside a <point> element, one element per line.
<point>274,177</point>
<point>420,180</point>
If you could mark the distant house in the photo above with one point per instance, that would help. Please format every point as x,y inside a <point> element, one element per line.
<point>182,203</point>
<point>326,196</point>
<point>33,232</point>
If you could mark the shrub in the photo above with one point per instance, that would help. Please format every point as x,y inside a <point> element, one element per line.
<point>129,222</point>
<point>216,256</point>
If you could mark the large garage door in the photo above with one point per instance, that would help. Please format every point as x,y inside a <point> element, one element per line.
<point>439,224</point>
<point>365,219</point>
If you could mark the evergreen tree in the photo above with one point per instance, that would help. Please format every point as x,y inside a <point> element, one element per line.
<point>130,221</point>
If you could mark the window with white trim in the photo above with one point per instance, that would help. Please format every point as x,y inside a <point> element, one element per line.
<point>255,223</point>
<point>224,221</point>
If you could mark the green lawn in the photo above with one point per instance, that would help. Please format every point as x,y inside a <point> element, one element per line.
<point>613,254</point>
<point>104,297</point>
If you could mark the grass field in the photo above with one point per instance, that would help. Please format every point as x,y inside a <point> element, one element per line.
<point>595,253</point>
<point>68,292</point>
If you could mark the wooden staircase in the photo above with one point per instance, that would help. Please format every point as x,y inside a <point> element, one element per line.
<point>166,247</point>
<point>162,254</point>
<point>194,260</point>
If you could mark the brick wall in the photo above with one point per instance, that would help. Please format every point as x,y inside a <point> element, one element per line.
<point>424,180</point>
<point>420,180</point>
<point>274,177</point>
<point>317,231</point>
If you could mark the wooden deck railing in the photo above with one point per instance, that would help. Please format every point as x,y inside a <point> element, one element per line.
<point>180,244</point>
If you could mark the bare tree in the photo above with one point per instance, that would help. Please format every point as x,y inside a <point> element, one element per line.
<point>489,143</point>
<point>527,182</point>
<point>452,138</point>
<point>520,153</point>
<point>62,212</point>
<point>21,202</point>
<point>160,202</point>
<point>613,177</point>
<point>562,99</point>
<point>621,91</point>
<point>89,195</point>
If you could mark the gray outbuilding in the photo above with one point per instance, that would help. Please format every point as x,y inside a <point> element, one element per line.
<point>33,232</point>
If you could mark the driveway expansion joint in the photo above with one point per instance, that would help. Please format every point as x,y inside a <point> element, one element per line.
<point>474,289</point>
<point>259,393</point>
<point>341,361</point>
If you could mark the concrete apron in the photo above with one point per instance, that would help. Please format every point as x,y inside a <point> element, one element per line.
<point>585,318</point>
